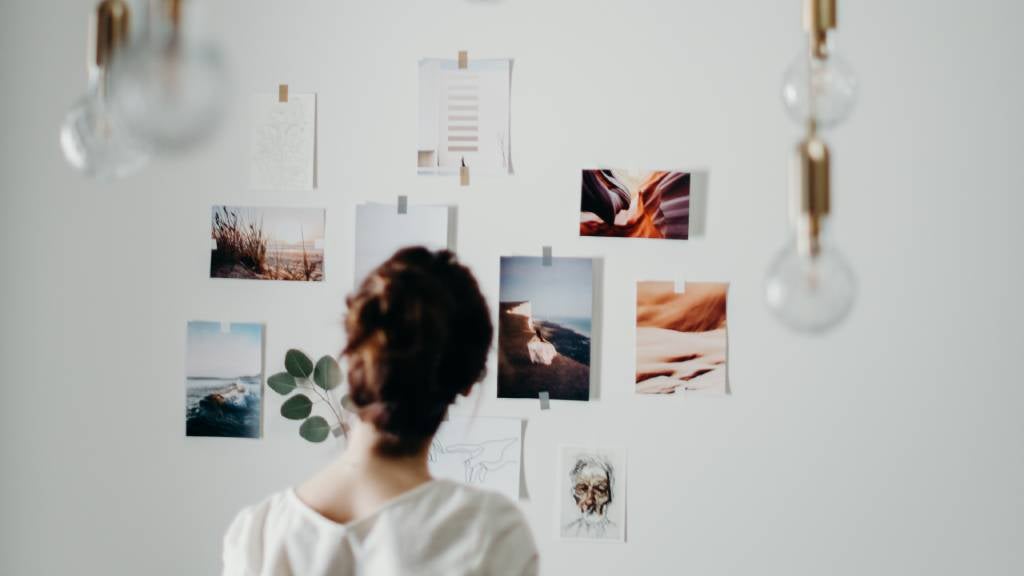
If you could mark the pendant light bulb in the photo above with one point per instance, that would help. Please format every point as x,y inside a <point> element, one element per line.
<point>819,86</point>
<point>809,285</point>
<point>170,88</point>
<point>91,137</point>
<point>810,293</point>
<point>822,90</point>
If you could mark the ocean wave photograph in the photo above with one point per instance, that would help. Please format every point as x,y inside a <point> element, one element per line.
<point>544,340</point>
<point>224,379</point>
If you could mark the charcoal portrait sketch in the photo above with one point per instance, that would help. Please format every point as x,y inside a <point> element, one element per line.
<point>592,485</point>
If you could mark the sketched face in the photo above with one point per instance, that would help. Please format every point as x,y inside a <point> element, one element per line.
<point>592,487</point>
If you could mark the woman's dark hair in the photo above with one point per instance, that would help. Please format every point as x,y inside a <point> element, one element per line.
<point>418,334</point>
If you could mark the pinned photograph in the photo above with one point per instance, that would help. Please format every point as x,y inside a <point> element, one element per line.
<point>267,243</point>
<point>481,452</point>
<point>635,204</point>
<point>282,151</point>
<point>381,231</point>
<point>592,494</point>
<point>681,338</point>
<point>544,324</point>
<point>223,379</point>
<point>464,117</point>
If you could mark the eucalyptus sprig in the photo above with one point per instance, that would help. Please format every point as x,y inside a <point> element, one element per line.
<point>319,380</point>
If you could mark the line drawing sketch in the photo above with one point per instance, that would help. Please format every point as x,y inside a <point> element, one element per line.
<point>481,452</point>
<point>479,459</point>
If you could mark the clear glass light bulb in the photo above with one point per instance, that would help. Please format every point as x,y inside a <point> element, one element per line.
<point>810,294</point>
<point>93,141</point>
<point>169,89</point>
<point>821,89</point>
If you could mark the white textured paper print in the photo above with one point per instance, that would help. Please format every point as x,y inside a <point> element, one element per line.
<point>381,231</point>
<point>283,147</point>
<point>482,452</point>
<point>464,117</point>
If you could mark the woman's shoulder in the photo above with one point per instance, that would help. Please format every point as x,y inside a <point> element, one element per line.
<point>487,505</point>
<point>504,539</point>
<point>253,528</point>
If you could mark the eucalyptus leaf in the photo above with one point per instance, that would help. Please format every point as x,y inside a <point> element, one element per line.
<point>283,383</point>
<point>298,364</point>
<point>297,407</point>
<point>327,373</point>
<point>348,404</point>
<point>315,429</point>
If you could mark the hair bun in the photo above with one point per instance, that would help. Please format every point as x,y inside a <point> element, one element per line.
<point>419,332</point>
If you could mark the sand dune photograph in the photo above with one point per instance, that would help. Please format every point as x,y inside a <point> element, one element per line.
<point>544,328</point>
<point>635,204</point>
<point>267,243</point>
<point>681,339</point>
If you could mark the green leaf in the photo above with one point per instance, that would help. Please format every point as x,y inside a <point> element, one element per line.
<point>327,373</point>
<point>297,407</point>
<point>283,383</point>
<point>315,429</point>
<point>298,364</point>
<point>348,404</point>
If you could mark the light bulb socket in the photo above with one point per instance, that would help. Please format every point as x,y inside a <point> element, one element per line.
<point>112,27</point>
<point>819,18</point>
<point>810,201</point>
<point>172,12</point>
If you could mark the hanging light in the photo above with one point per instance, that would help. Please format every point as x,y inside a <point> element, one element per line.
<point>92,139</point>
<point>169,88</point>
<point>809,285</point>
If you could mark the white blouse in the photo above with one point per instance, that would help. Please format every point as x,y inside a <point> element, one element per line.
<point>440,527</point>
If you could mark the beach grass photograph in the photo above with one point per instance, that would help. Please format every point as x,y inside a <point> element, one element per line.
<point>635,204</point>
<point>681,338</point>
<point>223,379</point>
<point>544,328</point>
<point>267,243</point>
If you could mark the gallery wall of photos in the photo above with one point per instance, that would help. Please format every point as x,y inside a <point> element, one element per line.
<point>546,302</point>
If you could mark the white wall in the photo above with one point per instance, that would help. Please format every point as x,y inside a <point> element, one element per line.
<point>891,446</point>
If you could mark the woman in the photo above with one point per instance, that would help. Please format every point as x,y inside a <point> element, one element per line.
<point>419,332</point>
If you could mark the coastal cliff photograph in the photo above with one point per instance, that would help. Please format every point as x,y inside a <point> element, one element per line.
<point>544,326</point>
<point>635,204</point>
<point>681,338</point>
<point>223,379</point>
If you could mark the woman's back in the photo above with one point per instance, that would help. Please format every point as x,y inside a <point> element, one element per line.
<point>439,527</point>
<point>419,333</point>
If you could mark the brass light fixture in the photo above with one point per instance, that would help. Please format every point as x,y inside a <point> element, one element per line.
<point>809,285</point>
<point>92,139</point>
<point>169,89</point>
